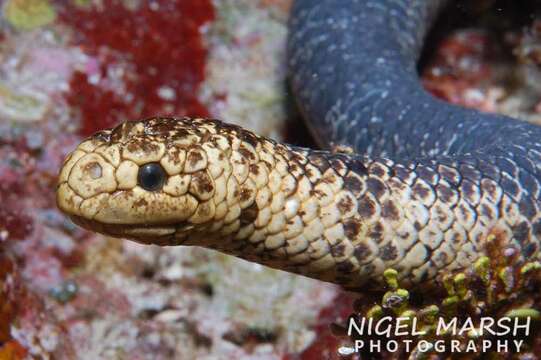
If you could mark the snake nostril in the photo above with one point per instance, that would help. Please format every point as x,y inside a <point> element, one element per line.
<point>94,170</point>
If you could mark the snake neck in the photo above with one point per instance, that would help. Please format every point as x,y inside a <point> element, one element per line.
<point>344,218</point>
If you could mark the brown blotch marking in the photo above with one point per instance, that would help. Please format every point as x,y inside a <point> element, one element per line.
<point>133,146</point>
<point>140,202</point>
<point>375,186</point>
<point>376,232</point>
<point>247,154</point>
<point>389,252</point>
<point>202,182</point>
<point>352,228</point>
<point>194,157</point>
<point>427,174</point>
<point>205,137</point>
<point>470,173</point>
<point>214,141</point>
<point>227,127</point>
<point>401,172</point>
<point>328,179</point>
<point>389,210</point>
<point>345,204</point>
<point>249,215</point>
<point>361,252</point>
<point>122,130</point>
<point>441,214</point>
<point>319,162</point>
<point>450,174</point>
<point>353,184</point>
<point>180,134</point>
<point>295,157</point>
<point>378,170</point>
<point>174,155</point>
<point>420,190</point>
<point>445,193</point>
<point>294,168</point>
<point>241,160</point>
<point>345,266</point>
<point>245,194</point>
<point>147,145</point>
<point>309,172</point>
<point>468,189</point>
<point>338,250</point>
<point>337,165</point>
<point>160,126</point>
<point>358,167</point>
<point>150,146</point>
<point>443,257</point>
<point>249,137</point>
<point>367,207</point>
<point>317,193</point>
<point>254,169</point>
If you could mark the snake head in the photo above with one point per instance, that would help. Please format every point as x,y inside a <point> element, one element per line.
<point>151,181</point>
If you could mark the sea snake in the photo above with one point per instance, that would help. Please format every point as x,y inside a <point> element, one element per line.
<point>408,182</point>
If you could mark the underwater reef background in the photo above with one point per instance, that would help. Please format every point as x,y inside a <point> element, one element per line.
<point>69,68</point>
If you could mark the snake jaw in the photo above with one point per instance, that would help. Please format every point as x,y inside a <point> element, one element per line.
<point>157,235</point>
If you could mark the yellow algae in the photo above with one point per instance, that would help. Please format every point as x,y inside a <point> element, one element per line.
<point>20,107</point>
<point>29,14</point>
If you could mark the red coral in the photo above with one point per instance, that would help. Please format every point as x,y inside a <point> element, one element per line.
<point>9,299</point>
<point>162,43</point>
<point>15,165</point>
<point>325,345</point>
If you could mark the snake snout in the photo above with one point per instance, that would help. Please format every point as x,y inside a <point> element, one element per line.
<point>84,180</point>
<point>91,176</point>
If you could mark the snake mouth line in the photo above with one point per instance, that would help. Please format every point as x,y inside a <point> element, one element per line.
<point>144,233</point>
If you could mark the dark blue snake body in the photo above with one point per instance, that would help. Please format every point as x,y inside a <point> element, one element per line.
<point>353,66</point>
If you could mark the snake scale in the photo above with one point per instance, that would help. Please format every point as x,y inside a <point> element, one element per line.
<point>410,182</point>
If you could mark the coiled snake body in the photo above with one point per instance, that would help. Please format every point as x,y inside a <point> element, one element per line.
<point>421,189</point>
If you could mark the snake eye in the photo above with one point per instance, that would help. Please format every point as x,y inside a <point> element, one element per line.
<point>151,176</point>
